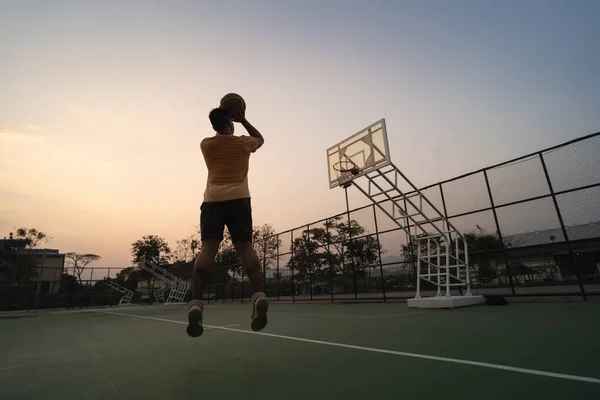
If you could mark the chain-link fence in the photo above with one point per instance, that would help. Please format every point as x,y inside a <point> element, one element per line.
<point>532,225</point>
<point>52,285</point>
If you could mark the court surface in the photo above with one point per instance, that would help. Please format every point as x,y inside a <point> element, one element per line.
<point>308,351</point>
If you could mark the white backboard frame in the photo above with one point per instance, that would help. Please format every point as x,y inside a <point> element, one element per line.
<point>374,127</point>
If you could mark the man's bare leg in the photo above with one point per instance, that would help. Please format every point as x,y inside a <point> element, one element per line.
<point>251,265</point>
<point>202,268</point>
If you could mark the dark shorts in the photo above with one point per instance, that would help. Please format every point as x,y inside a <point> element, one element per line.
<point>235,214</point>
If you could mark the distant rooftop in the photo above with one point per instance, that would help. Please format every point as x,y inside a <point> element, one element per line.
<point>575,232</point>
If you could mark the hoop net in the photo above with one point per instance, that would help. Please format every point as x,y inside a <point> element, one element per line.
<point>345,171</point>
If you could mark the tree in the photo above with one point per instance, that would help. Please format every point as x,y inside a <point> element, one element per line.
<point>483,253</point>
<point>80,261</point>
<point>32,237</point>
<point>227,264</point>
<point>409,252</point>
<point>128,277</point>
<point>353,251</point>
<point>482,247</point>
<point>155,249</point>
<point>185,249</point>
<point>307,260</point>
<point>265,242</point>
<point>22,267</point>
<point>227,258</point>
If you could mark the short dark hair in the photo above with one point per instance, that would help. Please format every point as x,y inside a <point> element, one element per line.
<point>219,118</point>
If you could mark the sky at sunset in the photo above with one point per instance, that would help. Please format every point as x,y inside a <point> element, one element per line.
<point>103,104</point>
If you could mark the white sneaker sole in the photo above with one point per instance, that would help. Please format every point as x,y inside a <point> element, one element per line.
<point>260,317</point>
<point>195,328</point>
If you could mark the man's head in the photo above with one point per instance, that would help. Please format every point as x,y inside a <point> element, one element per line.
<point>221,121</point>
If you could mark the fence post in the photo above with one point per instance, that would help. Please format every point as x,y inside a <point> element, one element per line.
<point>350,242</point>
<point>379,254</point>
<point>311,273</point>
<point>487,184</point>
<point>329,259</point>
<point>448,229</point>
<point>264,255</point>
<point>292,265</point>
<point>242,281</point>
<point>574,262</point>
<point>409,242</point>
<point>277,279</point>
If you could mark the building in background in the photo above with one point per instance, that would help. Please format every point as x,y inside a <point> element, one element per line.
<point>48,268</point>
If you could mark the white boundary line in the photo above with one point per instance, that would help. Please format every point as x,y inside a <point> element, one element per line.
<point>384,351</point>
<point>348,316</point>
<point>392,315</point>
<point>169,320</point>
<point>112,385</point>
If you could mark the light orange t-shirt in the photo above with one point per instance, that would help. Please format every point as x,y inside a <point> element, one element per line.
<point>227,158</point>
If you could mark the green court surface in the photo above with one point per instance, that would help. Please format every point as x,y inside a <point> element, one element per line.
<point>308,351</point>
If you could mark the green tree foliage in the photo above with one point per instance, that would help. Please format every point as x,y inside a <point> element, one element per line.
<point>338,245</point>
<point>227,261</point>
<point>32,237</point>
<point>409,252</point>
<point>308,259</point>
<point>80,261</point>
<point>155,248</point>
<point>265,243</point>
<point>21,266</point>
<point>187,248</point>
<point>15,258</point>
<point>128,277</point>
<point>483,254</point>
<point>227,266</point>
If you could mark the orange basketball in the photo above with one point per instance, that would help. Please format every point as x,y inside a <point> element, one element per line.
<point>233,102</point>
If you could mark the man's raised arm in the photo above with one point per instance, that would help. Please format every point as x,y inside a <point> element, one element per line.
<point>252,131</point>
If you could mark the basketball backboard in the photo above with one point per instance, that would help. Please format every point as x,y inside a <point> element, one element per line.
<point>367,149</point>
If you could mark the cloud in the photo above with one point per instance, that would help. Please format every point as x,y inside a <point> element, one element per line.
<point>107,164</point>
<point>8,135</point>
<point>32,127</point>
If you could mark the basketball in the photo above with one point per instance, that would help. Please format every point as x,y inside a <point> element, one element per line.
<point>233,102</point>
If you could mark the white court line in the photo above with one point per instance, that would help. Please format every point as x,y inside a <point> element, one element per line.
<point>112,385</point>
<point>169,320</point>
<point>348,316</point>
<point>391,352</point>
<point>392,315</point>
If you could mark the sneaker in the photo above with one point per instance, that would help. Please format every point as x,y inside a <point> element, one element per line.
<point>195,310</point>
<point>260,305</point>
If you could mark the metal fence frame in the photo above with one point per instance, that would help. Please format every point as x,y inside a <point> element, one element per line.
<point>234,287</point>
<point>492,207</point>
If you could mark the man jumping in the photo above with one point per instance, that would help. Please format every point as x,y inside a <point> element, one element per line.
<point>227,203</point>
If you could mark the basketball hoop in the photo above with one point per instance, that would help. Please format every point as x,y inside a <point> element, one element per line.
<point>346,170</point>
